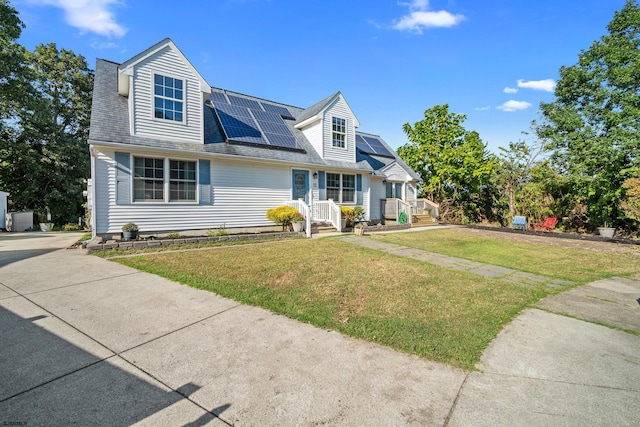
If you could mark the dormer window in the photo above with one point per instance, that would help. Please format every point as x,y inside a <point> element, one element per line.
<point>168,98</point>
<point>339,132</point>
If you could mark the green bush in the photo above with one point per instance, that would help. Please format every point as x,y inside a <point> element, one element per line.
<point>283,215</point>
<point>173,235</point>
<point>352,214</point>
<point>71,227</point>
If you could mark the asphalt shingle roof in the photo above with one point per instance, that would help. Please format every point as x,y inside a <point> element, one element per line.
<point>110,124</point>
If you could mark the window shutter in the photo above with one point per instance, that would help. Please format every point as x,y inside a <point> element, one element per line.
<point>204,180</point>
<point>359,189</point>
<point>123,178</point>
<point>322,186</point>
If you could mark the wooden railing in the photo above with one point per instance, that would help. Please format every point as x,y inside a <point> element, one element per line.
<point>394,208</point>
<point>422,206</point>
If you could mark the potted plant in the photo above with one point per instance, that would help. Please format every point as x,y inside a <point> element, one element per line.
<point>359,229</point>
<point>297,222</point>
<point>346,216</point>
<point>130,231</point>
<point>606,214</point>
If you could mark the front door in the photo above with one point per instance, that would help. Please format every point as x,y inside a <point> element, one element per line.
<point>300,185</point>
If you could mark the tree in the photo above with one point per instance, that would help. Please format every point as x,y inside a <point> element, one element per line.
<point>46,94</point>
<point>12,58</point>
<point>631,200</point>
<point>594,121</point>
<point>514,171</point>
<point>453,162</point>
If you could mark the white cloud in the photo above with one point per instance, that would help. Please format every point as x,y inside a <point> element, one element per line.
<point>510,90</point>
<point>89,15</point>
<point>485,108</point>
<point>511,106</point>
<point>420,17</point>
<point>98,45</point>
<point>547,85</point>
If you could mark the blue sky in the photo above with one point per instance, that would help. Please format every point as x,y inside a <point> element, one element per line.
<point>493,61</point>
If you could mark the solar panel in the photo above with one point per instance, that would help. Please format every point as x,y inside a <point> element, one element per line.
<point>218,97</point>
<point>377,146</point>
<point>244,102</point>
<point>275,129</point>
<point>362,145</point>
<point>238,124</point>
<point>278,109</point>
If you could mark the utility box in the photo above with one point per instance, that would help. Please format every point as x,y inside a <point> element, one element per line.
<point>19,221</point>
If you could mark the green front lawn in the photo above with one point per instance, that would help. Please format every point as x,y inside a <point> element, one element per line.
<point>576,265</point>
<point>439,314</point>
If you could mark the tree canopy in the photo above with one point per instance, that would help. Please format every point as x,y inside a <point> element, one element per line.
<point>593,123</point>
<point>46,94</point>
<point>452,161</point>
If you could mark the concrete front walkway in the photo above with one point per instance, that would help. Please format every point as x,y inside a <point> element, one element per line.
<point>86,341</point>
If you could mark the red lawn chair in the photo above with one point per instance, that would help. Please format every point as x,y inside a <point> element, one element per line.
<point>549,224</point>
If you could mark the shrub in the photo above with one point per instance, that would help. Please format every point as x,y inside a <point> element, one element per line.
<point>282,215</point>
<point>173,235</point>
<point>71,227</point>
<point>130,226</point>
<point>352,214</point>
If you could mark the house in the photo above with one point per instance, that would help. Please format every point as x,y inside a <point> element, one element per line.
<point>170,153</point>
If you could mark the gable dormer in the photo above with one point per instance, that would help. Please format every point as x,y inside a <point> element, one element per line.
<point>330,126</point>
<point>165,92</point>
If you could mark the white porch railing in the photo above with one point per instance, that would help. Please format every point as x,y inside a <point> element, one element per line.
<point>303,208</point>
<point>393,208</point>
<point>422,206</point>
<point>327,210</point>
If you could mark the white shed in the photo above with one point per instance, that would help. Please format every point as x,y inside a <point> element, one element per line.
<point>3,209</point>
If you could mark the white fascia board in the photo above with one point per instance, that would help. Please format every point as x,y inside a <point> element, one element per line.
<point>127,68</point>
<point>311,120</point>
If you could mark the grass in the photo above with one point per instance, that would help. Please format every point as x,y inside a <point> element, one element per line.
<point>576,265</point>
<point>439,314</point>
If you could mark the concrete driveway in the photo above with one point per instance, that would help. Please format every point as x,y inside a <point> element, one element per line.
<point>88,342</point>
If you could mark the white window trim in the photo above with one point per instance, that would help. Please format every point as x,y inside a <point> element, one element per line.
<point>355,187</point>
<point>345,133</point>
<point>166,182</point>
<point>183,122</point>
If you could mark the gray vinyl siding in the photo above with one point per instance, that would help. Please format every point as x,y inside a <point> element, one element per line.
<point>397,173</point>
<point>166,63</point>
<point>239,196</point>
<point>348,154</point>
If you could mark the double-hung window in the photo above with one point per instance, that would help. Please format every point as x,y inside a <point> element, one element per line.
<point>339,132</point>
<point>168,98</point>
<point>182,181</point>
<point>341,187</point>
<point>151,178</point>
<point>148,179</point>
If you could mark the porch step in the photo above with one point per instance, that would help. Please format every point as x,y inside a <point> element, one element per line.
<point>322,227</point>
<point>423,220</point>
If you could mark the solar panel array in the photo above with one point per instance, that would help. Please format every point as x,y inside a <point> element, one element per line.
<point>275,129</point>
<point>238,124</point>
<point>217,97</point>
<point>372,145</point>
<point>278,109</point>
<point>244,102</point>
<point>242,124</point>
